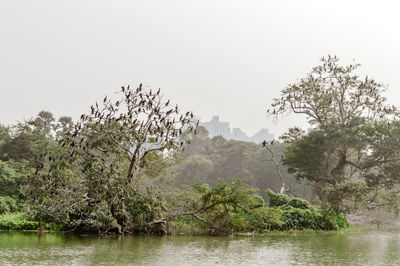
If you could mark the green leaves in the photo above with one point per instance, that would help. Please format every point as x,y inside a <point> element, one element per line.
<point>354,134</point>
<point>276,199</point>
<point>341,198</point>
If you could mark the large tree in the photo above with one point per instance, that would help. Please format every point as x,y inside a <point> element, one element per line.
<point>27,140</point>
<point>349,119</point>
<point>94,175</point>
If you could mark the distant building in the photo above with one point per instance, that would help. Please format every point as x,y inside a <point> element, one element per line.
<point>238,134</point>
<point>217,128</point>
<point>262,135</point>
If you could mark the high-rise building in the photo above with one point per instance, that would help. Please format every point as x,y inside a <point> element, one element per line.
<point>217,128</point>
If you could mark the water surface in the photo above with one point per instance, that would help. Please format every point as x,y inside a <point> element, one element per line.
<point>371,248</point>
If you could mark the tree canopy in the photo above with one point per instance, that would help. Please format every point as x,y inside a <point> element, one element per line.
<point>353,130</point>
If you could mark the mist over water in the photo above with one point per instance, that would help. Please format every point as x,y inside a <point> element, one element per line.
<point>372,248</point>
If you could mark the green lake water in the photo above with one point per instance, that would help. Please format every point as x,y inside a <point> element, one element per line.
<point>370,248</point>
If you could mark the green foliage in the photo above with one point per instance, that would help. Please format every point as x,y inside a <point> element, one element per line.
<point>197,168</point>
<point>145,207</point>
<point>7,204</point>
<point>239,222</point>
<point>228,208</point>
<point>265,219</point>
<point>106,172</point>
<point>306,156</point>
<point>8,181</point>
<point>111,171</point>
<point>10,195</point>
<point>297,218</point>
<point>343,197</point>
<point>276,199</point>
<point>298,214</point>
<point>286,217</point>
<point>223,207</point>
<point>299,203</point>
<point>340,220</point>
<point>235,194</point>
<point>256,202</point>
<point>213,160</point>
<point>16,221</point>
<point>354,132</point>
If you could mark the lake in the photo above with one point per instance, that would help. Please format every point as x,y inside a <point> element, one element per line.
<point>367,248</point>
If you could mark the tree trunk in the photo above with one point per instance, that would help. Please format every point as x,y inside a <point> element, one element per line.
<point>282,188</point>
<point>41,228</point>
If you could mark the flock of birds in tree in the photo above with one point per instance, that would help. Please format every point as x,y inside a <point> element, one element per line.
<point>141,116</point>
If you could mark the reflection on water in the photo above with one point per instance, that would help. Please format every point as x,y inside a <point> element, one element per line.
<point>373,248</point>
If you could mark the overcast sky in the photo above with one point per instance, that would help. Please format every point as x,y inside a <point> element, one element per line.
<point>215,57</point>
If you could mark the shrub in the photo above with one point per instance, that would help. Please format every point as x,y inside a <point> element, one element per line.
<point>266,218</point>
<point>340,221</point>
<point>295,218</point>
<point>256,202</point>
<point>16,221</point>
<point>321,222</point>
<point>276,199</point>
<point>239,222</point>
<point>8,181</point>
<point>299,203</point>
<point>7,204</point>
<point>299,214</point>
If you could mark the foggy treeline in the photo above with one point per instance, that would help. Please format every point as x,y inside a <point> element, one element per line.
<point>212,160</point>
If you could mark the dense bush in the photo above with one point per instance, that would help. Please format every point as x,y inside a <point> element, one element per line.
<point>284,213</point>
<point>340,220</point>
<point>16,221</point>
<point>8,181</point>
<point>7,204</point>
<point>266,218</point>
<point>276,199</point>
<point>239,222</point>
<point>299,219</point>
<point>299,203</point>
<point>257,202</point>
<point>298,214</point>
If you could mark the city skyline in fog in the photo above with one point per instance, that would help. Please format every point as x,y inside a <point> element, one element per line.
<point>225,58</point>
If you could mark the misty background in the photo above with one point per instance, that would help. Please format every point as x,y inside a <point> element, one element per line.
<point>215,57</point>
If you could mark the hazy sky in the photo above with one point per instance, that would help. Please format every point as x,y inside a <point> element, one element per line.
<point>227,58</point>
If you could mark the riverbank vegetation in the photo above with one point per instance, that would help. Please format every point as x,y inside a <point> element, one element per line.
<point>138,164</point>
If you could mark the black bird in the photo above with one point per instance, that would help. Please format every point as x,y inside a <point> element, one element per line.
<point>264,143</point>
